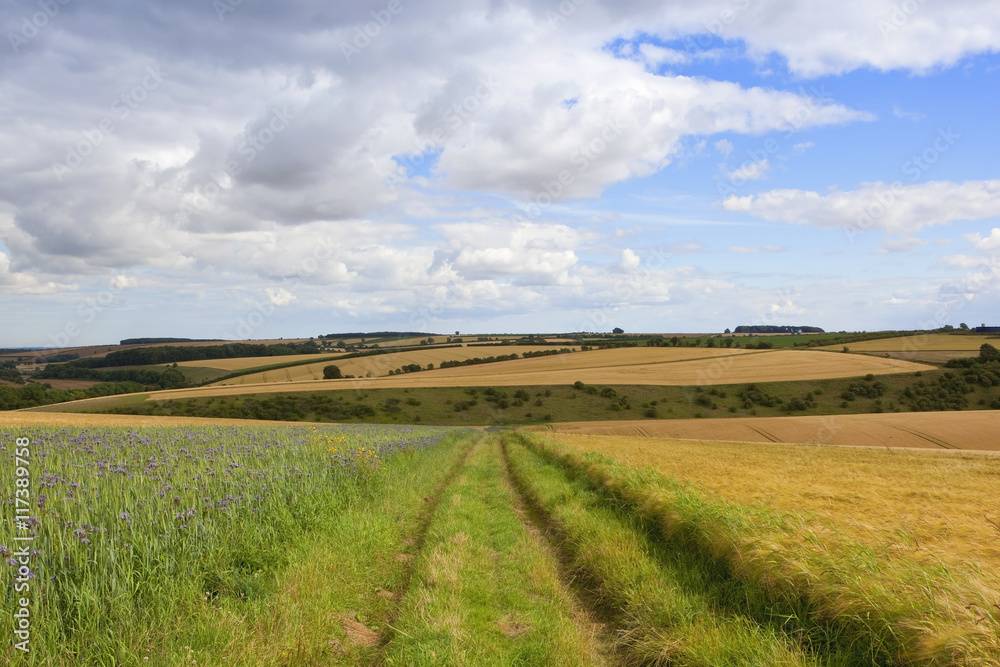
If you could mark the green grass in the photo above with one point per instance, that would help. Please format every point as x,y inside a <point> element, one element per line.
<point>882,607</point>
<point>460,406</point>
<point>485,591</point>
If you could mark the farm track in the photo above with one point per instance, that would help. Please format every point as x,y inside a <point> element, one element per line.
<point>924,436</point>
<point>764,433</point>
<point>416,543</point>
<point>631,637</point>
<point>586,607</point>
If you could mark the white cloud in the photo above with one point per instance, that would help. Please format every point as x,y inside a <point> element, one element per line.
<point>629,261</point>
<point>748,171</point>
<point>280,296</point>
<point>657,55</point>
<point>895,208</point>
<point>724,146</point>
<point>802,147</point>
<point>991,242</point>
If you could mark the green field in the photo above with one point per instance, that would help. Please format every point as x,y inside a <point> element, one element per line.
<point>369,545</point>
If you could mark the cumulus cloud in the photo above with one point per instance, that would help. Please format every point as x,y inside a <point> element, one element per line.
<point>629,261</point>
<point>264,133</point>
<point>895,208</point>
<point>990,242</point>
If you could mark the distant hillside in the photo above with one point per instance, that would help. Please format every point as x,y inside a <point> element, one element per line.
<point>155,341</point>
<point>379,334</point>
<point>770,329</point>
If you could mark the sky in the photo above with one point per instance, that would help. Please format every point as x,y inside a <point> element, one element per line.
<point>234,169</point>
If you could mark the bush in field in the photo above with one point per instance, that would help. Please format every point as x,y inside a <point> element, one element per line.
<point>332,372</point>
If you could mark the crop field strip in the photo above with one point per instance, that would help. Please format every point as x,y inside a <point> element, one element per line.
<point>875,604</point>
<point>921,342</point>
<point>378,365</point>
<point>965,430</point>
<point>932,506</point>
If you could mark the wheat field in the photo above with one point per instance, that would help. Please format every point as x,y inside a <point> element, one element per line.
<point>969,429</point>
<point>920,342</point>
<point>922,504</point>
<point>377,365</point>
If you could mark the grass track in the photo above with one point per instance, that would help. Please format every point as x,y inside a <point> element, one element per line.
<point>486,592</point>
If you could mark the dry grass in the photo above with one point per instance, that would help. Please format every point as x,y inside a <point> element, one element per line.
<point>973,429</point>
<point>922,504</point>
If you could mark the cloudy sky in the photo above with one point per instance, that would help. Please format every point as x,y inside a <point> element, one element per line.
<point>237,169</point>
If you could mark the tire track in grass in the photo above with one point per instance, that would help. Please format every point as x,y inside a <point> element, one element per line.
<point>669,606</point>
<point>587,611</point>
<point>485,591</point>
<point>415,543</point>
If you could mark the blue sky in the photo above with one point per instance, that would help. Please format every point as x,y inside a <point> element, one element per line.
<point>180,171</point>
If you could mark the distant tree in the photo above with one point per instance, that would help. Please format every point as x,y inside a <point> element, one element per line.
<point>727,331</point>
<point>332,373</point>
<point>618,330</point>
<point>674,341</point>
<point>457,332</point>
<point>988,353</point>
<point>963,326</point>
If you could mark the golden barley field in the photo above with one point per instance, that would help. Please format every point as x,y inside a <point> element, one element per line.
<point>376,365</point>
<point>925,504</point>
<point>680,366</point>
<point>969,429</point>
<point>927,348</point>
